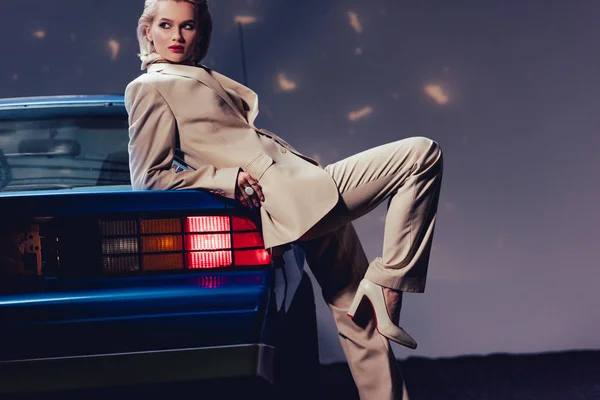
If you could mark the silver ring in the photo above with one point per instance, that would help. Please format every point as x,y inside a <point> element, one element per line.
<point>249,191</point>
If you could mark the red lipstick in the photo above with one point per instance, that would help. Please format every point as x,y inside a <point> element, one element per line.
<point>176,48</point>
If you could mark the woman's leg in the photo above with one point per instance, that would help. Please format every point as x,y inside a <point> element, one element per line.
<point>338,262</point>
<point>408,173</point>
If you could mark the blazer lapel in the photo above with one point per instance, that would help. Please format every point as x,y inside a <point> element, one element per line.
<point>236,99</point>
<point>247,94</point>
<point>201,75</point>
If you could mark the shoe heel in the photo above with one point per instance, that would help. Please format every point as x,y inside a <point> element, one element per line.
<point>360,295</point>
<point>385,326</point>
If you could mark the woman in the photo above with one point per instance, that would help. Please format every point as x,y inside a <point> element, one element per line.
<point>182,113</point>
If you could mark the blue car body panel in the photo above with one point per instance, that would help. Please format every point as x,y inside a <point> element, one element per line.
<point>99,200</point>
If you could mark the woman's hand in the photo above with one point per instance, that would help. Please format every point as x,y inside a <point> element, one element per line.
<point>245,179</point>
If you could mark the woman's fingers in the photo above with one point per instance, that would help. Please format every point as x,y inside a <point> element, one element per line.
<point>246,180</point>
<point>253,197</point>
<point>258,189</point>
<point>243,196</point>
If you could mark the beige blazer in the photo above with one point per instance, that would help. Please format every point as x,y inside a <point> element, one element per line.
<point>188,115</point>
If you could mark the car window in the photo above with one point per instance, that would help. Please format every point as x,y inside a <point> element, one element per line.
<point>63,153</point>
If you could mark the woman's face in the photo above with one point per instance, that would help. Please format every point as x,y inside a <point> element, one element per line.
<point>174,31</point>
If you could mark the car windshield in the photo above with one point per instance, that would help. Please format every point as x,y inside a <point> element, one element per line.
<point>63,153</point>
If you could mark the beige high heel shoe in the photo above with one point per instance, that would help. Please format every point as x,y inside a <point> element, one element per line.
<point>385,326</point>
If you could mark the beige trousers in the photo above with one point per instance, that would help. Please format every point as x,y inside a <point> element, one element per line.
<point>408,173</point>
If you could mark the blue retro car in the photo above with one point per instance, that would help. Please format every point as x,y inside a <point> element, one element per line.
<point>103,288</point>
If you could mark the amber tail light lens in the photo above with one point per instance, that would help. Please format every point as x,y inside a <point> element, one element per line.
<point>193,243</point>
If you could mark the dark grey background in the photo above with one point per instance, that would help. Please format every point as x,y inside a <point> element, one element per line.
<point>515,260</point>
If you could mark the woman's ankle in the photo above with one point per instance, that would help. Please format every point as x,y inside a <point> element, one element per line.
<point>393,302</point>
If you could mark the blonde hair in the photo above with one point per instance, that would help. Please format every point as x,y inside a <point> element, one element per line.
<point>148,52</point>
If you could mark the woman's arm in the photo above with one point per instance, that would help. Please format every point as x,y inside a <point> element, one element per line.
<point>152,141</point>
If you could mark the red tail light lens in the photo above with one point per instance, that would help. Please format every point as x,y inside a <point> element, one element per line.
<point>249,239</point>
<point>197,242</point>
<point>252,257</point>
<point>207,242</point>
<point>208,259</point>
<point>243,224</point>
<point>207,224</point>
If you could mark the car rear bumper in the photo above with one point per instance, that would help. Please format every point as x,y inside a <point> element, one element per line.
<point>128,369</point>
<point>136,315</point>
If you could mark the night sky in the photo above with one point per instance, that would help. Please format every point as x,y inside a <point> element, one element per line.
<point>510,90</point>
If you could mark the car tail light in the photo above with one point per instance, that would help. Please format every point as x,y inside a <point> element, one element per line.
<point>181,243</point>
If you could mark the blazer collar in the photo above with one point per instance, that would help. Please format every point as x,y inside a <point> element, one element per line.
<point>216,82</point>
